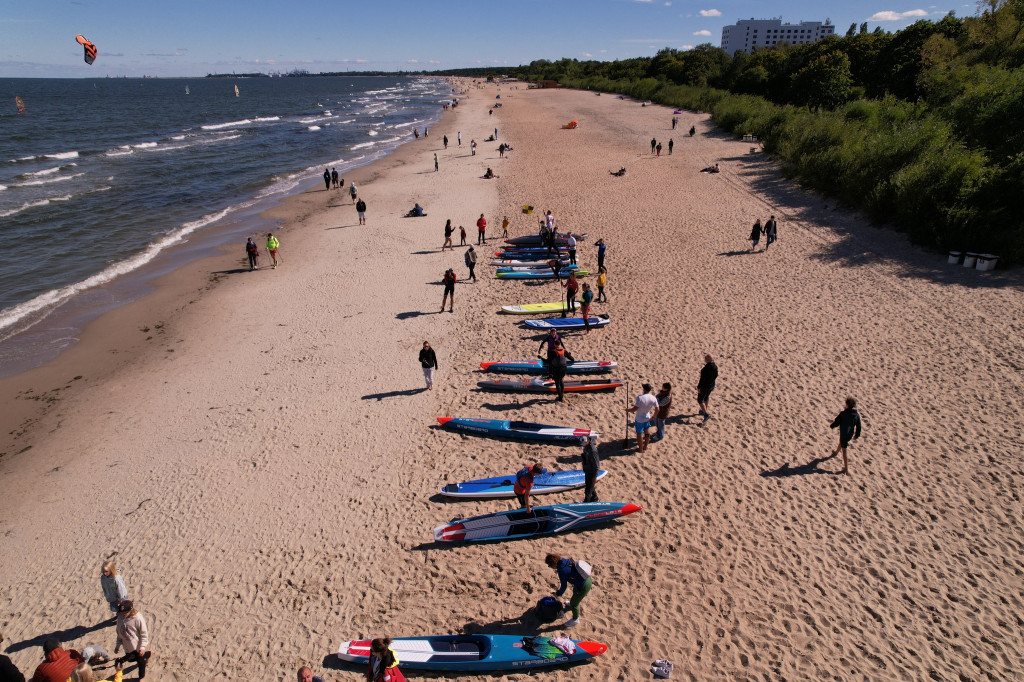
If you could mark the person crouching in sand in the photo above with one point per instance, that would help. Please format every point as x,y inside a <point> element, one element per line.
<point>575,573</point>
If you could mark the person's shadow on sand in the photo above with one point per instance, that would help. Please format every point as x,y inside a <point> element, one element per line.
<point>527,623</point>
<point>739,253</point>
<point>393,394</point>
<point>811,467</point>
<point>416,313</point>
<point>67,635</point>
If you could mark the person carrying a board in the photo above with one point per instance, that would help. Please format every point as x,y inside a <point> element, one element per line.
<point>645,408</point>
<point>576,573</point>
<point>848,422</point>
<point>524,484</point>
<point>706,384</point>
<point>449,280</point>
<point>591,465</point>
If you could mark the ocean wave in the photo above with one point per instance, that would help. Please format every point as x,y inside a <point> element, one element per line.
<point>363,145</point>
<point>230,124</point>
<point>11,317</point>
<point>267,118</point>
<point>21,159</point>
<point>372,133</point>
<point>62,155</point>
<point>144,145</point>
<point>3,187</point>
<point>123,151</point>
<point>178,137</point>
<point>313,128</point>
<point>34,204</point>
<point>47,181</point>
<point>48,171</point>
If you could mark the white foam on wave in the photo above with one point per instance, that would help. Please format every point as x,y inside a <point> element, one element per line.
<point>313,128</point>
<point>372,133</point>
<point>123,151</point>
<point>45,171</point>
<point>178,137</point>
<point>230,124</point>
<point>11,317</point>
<point>34,204</point>
<point>3,187</point>
<point>405,125</point>
<point>345,121</point>
<point>363,145</point>
<point>267,118</point>
<point>144,145</point>
<point>23,158</point>
<point>47,181</point>
<point>62,155</point>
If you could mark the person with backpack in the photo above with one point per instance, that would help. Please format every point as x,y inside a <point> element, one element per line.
<point>524,484</point>
<point>576,573</point>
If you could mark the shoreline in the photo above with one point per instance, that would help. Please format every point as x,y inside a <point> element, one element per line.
<point>266,468</point>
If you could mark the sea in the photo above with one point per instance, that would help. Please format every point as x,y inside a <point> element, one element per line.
<point>109,183</point>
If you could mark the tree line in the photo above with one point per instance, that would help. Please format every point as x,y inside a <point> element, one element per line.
<point>923,128</point>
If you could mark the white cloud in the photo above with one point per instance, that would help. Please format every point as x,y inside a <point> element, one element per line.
<point>668,4</point>
<point>413,61</point>
<point>889,15</point>
<point>710,13</point>
<point>702,32</point>
<point>641,0</point>
<point>686,47</point>
<point>586,54</point>
<point>603,51</point>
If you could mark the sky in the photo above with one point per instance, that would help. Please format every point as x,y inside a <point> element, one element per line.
<point>196,37</point>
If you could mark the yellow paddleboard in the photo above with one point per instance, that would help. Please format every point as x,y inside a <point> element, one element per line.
<point>537,308</point>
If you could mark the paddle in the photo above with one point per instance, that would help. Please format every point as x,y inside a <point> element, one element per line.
<point>625,441</point>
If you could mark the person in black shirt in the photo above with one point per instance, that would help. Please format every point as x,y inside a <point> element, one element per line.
<point>591,465</point>
<point>708,376</point>
<point>429,362</point>
<point>848,422</point>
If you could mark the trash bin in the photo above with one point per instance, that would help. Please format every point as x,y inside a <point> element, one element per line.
<point>987,262</point>
<point>954,257</point>
<point>970,260</point>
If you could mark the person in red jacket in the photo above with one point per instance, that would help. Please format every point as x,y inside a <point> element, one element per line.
<point>57,662</point>
<point>524,484</point>
<point>481,226</point>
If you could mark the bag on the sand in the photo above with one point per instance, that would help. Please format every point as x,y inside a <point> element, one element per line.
<point>547,609</point>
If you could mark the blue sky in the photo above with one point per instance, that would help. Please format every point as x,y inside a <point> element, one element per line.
<point>193,37</point>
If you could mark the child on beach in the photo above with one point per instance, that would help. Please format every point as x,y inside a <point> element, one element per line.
<point>133,635</point>
<point>755,234</point>
<point>575,573</point>
<point>112,584</point>
<point>602,280</point>
<point>462,235</point>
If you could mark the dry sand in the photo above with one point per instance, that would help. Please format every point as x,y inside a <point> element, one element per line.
<point>255,451</point>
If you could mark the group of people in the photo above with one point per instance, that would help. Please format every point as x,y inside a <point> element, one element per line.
<point>252,251</point>
<point>331,179</point>
<point>93,662</point>
<point>652,409</point>
<point>770,230</point>
<point>656,146</point>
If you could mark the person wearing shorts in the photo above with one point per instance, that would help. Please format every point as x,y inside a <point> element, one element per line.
<point>645,407</point>
<point>272,246</point>
<point>361,211</point>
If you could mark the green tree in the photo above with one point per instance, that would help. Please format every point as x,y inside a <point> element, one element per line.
<point>825,83</point>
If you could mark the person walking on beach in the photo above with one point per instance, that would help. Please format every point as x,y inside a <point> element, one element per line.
<point>602,281</point>
<point>382,665</point>
<point>361,211</point>
<point>706,384</point>
<point>253,252</point>
<point>428,360</point>
<point>472,147</point>
<point>755,234</point>
<point>459,136</point>
<point>481,230</point>
<point>445,140</point>
<point>449,279</point>
<point>334,177</point>
<point>591,466</point>
<point>645,408</point>
<point>670,145</point>
<point>435,163</point>
<point>524,484</point>
<point>664,405</point>
<point>133,636</point>
<point>693,130</point>
<point>352,191</point>
<point>771,232</point>
<point>112,585</point>
<point>658,150</point>
<point>448,229</point>
<point>571,243</point>
<point>848,423</point>
<point>674,122</point>
<point>462,235</point>
<point>572,286</point>
<point>504,227</point>
<point>557,367</point>
<point>601,248</point>
<point>575,573</point>
<point>654,143</point>
<point>585,299</point>
<point>327,178</point>
<point>272,246</point>
<point>471,261</point>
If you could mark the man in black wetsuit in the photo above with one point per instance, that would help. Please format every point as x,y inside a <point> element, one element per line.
<point>708,376</point>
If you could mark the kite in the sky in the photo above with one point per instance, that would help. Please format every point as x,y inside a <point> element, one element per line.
<point>90,49</point>
<point>20,103</point>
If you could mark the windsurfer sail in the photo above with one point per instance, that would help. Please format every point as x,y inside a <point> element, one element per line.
<point>20,103</point>
<point>90,49</point>
<point>187,91</point>
<point>236,91</point>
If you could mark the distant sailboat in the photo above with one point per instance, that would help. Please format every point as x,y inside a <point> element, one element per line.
<point>187,91</point>
<point>236,91</point>
<point>20,103</point>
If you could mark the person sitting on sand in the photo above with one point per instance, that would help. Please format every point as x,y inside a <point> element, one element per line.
<point>619,173</point>
<point>416,212</point>
<point>489,174</point>
<point>383,663</point>
<point>575,573</point>
<point>711,169</point>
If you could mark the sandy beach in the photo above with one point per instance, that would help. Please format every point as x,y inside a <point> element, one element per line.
<point>257,452</point>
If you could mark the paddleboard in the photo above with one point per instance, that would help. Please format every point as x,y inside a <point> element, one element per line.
<point>475,653</point>
<point>567,322</point>
<point>535,274</point>
<point>536,385</point>
<point>562,267</point>
<point>526,263</point>
<point>534,239</point>
<point>541,367</point>
<point>519,523</point>
<point>501,486</point>
<point>504,428</point>
<point>538,308</point>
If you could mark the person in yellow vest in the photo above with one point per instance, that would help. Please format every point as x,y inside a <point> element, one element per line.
<point>272,245</point>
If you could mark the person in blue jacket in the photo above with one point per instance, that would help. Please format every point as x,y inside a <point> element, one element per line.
<point>848,422</point>
<point>575,573</point>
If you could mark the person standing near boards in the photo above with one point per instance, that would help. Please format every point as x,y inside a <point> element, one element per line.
<point>602,282</point>
<point>481,230</point>
<point>601,248</point>
<point>575,573</point>
<point>524,484</point>
<point>591,465</point>
<point>382,664</point>
<point>645,408</point>
<point>361,211</point>
<point>428,360</point>
<point>504,227</point>
<point>571,243</point>
<point>848,423</point>
<point>708,377</point>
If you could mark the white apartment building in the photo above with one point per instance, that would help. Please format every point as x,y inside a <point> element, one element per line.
<point>747,34</point>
